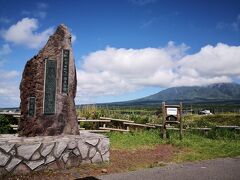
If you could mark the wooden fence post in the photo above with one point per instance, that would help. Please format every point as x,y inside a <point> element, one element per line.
<point>164,130</point>
<point>181,123</point>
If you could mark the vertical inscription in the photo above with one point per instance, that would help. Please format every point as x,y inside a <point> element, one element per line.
<point>65,70</point>
<point>50,87</point>
<point>31,107</point>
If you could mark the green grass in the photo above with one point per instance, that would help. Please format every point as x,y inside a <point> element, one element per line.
<point>135,140</point>
<point>194,146</point>
<point>212,120</point>
<point>197,147</point>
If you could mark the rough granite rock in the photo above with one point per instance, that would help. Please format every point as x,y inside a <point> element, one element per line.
<point>65,156</point>
<point>72,144</point>
<point>59,148</point>
<point>46,149</point>
<point>6,147</point>
<point>26,151</point>
<point>49,159</point>
<point>14,162</point>
<point>105,157</point>
<point>34,164</point>
<point>63,120</point>
<point>4,159</point>
<point>83,148</point>
<point>76,152</point>
<point>103,146</point>
<point>36,156</point>
<point>92,142</point>
<point>92,152</point>
<point>97,158</point>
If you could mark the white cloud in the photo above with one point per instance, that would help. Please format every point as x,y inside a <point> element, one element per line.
<point>5,49</point>
<point>9,95</point>
<point>7,75</point>
<point>117,71</point>
<point>74,37</point>
<point>102,83</point>
<point>24,33</point>
<point>6,89</point>
<point>9,89</point>
<point>221,60</point>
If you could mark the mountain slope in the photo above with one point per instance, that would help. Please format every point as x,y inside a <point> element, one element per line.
<point>213,92</point>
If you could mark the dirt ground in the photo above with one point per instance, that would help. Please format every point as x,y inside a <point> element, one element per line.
<point>120,161</point>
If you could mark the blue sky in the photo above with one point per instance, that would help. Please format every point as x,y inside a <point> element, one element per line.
<point>125,49</point>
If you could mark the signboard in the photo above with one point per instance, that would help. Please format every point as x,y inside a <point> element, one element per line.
<point>31,107</point>
<point>171,115</point>
<point>50,87</point>
<point>172,111</point>
<point>65,71</point>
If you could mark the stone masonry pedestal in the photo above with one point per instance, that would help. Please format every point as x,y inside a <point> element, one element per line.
<point>23,155</point>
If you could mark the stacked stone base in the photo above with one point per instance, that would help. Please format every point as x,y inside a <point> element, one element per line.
<point>20,155</point>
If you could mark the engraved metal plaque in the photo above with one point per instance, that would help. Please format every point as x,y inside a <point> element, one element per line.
<point>31,107</point>
<point>50,87</point>
<point>65,71</point>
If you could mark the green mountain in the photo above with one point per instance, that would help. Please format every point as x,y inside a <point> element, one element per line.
<point>211,93</point>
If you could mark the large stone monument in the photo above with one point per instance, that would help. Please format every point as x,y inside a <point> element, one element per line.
<point>48,89</point>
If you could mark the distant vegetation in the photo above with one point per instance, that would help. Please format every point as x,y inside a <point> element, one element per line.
<point>150,114</point>
<point>222,119</point>
<point>225,114</point>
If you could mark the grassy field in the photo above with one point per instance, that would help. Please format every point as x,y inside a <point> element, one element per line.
<point>135,140</point>
<point>200,147</point>
<point>212,120</point>
<point>194,146</point>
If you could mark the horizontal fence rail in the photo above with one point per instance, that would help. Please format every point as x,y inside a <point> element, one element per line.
<point>123,125</point>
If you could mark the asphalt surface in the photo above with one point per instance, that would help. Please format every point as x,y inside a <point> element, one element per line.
<point>219,169</point>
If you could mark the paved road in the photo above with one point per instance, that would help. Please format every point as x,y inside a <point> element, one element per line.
<point>219,169</point>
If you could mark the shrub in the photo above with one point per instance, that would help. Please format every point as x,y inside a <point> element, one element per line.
<point>5,127</point>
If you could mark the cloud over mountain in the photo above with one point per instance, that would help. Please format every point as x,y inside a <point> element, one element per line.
<point>116,71</point>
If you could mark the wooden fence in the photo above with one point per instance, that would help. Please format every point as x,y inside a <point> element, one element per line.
<point>107,124</point>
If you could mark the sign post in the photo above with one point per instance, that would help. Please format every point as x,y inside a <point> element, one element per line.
<point>171,114</point>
